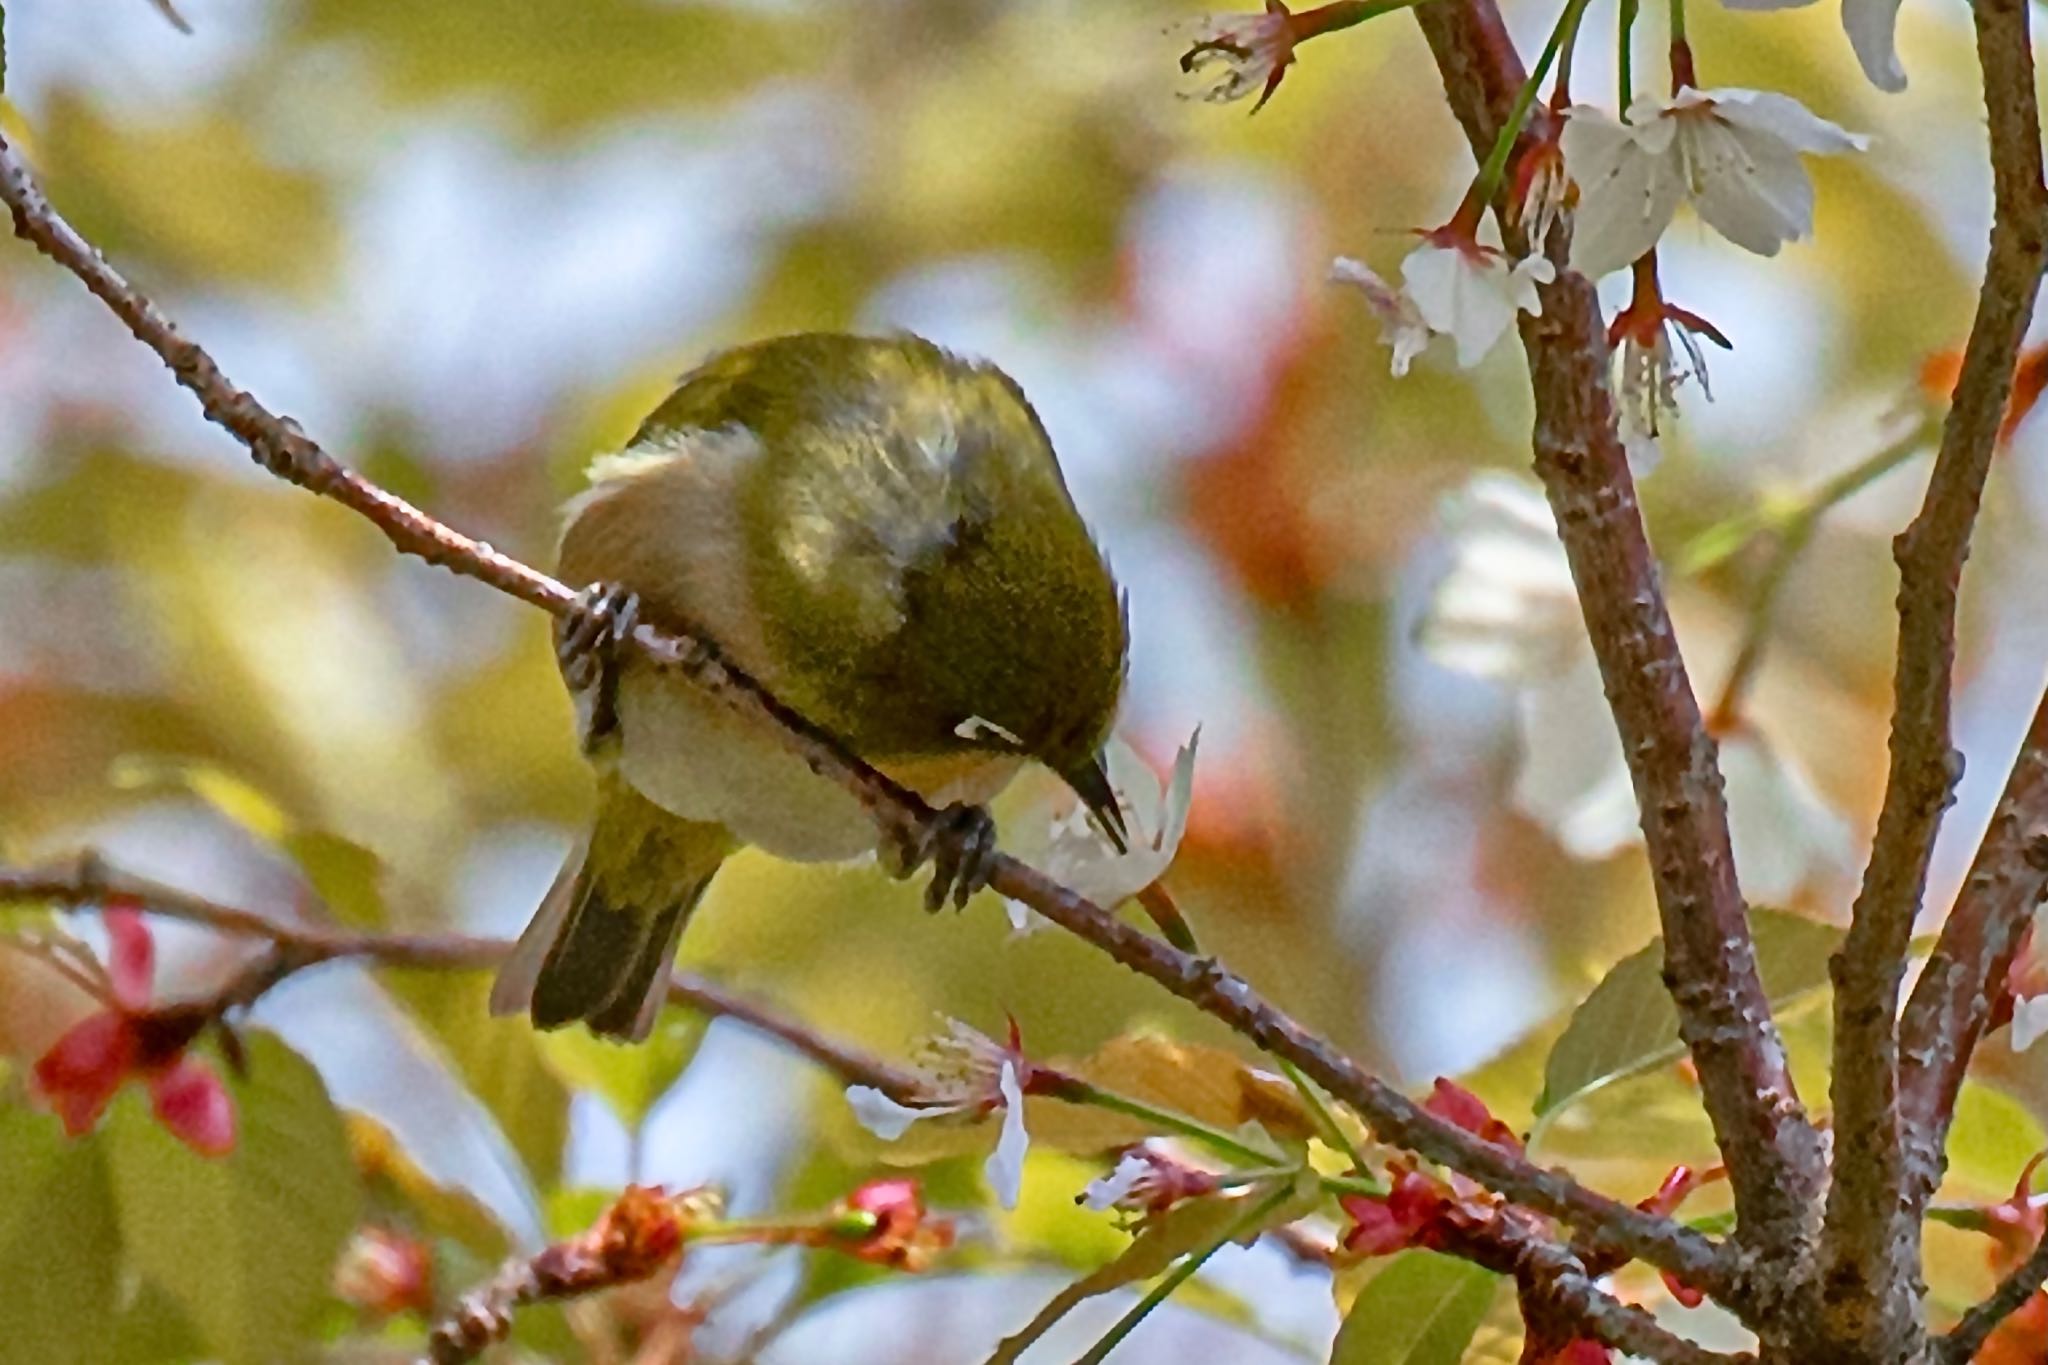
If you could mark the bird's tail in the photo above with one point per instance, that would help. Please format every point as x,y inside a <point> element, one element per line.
<point>600,946</point>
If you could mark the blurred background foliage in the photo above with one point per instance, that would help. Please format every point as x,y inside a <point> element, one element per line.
<point>469,243</point>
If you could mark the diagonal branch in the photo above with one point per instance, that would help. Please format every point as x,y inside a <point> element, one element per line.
<point>280,447</point>
<point>1965,975</point>
<point>1960,1345</point>
<point>88,882</point>
<point>1871,1258</point>
<point>1772,1152</point>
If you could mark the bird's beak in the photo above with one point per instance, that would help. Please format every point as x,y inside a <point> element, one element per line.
<point>1091,783</point>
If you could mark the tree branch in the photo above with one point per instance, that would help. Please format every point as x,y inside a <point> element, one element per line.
<point>1561,1298</point>
<point>279,446</point>
<point>1871,1251</point>
<point>1960,1345</point>
<point>88,882</point>
<point>1772,1153</point>
<point>1966,973</point>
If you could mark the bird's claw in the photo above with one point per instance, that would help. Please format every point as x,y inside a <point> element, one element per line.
<point>960,844</point>
<point>587,649</point>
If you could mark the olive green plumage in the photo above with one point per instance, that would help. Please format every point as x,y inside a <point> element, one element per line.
<point>876,530</point>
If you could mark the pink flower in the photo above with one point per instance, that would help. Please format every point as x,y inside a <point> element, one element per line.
<point>130,1039</point>
<point>896,1230</point>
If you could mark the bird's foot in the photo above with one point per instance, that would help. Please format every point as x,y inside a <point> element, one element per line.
<point>587,642</point>
<point>960,844</point>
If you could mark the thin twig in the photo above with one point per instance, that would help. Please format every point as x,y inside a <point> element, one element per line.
<point>280,447</point>
<point>87,882</point>
<point>1772,1152</point>
<point>1960,1345</point>
<point>1871,1251</point>
<point>638,1237</point>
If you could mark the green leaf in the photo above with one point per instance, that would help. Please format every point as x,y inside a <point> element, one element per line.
<point>1421,1310</point>
<point>1160,1242</point>
<point>245,1243</point>
<point>629,1077</point>
<point>60,1245</point>
<point>1990,1142</point>
<point>1628,1026</point>
<point>498,1059</point>
<point>345,876</point>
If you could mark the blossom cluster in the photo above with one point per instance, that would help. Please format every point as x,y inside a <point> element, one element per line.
<point>1616,179</point>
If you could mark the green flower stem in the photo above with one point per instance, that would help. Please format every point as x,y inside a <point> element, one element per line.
<point>1504,146</point>
<point>1253,1219</point>
<point>1333,1132</point>
<point>1561,93</point>
<point>1624,58</point>
<point>1259,1164</point>
<point>1332,1184</point>
<point>1074,1090</point>
<point>1795,531</point>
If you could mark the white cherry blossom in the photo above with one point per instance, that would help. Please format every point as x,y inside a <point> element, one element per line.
<point>1060,839</point>
<point>1506,608</point>
<point>968,1074</point>
<point>1735,154</point>
<point>1471,293</point>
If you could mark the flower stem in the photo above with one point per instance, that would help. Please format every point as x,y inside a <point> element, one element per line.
<point>1624,57</point>
<point>1344,14</point>
<point>1333,1132</point>
<point>1794,533</point>
<point>1504,145</point>
<point>1561,93</point>
<point>1076,1091</point>
<point>1253,1218</point>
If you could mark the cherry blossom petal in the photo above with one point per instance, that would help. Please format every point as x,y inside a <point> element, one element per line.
<point>1076,854</point>
<point>1573,779</point>
<point>1629,187</point>
<point>887,1119</point>
<point>1106,1192</point>
<point>1784,833</point>
<point>1471,295</point>
<point>1872,26</point>
<point>191,1102</point>
<point>1749,188</point>
<point>131,956</point>
<point>1005,1165</point>
<point>1779,117</point>
<point>2029,1022</point>
<point>1506,608</point>
<point>80,1073</point>
<point>1401,326</point>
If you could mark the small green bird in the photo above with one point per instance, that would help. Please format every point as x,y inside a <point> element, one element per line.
<point>878,532</point>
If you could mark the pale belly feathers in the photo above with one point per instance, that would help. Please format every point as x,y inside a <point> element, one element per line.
<point>682,749</point>
<point>697,758</point>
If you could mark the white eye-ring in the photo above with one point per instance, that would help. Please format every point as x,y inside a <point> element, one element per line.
<point>974,727</point>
